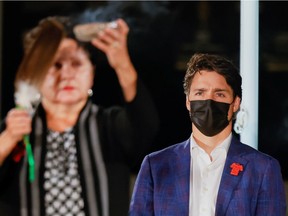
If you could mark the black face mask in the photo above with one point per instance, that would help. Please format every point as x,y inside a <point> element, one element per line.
<point>209,116</point>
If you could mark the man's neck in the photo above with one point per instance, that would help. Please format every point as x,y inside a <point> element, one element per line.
<point>208,144</point>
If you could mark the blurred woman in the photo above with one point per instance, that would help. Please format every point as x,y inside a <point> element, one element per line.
<point>82,151</point>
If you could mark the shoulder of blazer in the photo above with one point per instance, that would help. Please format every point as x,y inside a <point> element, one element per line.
<point>240,149</point>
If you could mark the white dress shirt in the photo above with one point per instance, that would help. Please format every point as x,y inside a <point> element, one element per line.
<point>205,175</point>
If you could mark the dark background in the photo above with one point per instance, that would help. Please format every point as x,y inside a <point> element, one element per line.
<point>163,36</point>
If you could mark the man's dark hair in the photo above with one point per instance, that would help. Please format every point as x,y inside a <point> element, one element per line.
<point>220,65</point>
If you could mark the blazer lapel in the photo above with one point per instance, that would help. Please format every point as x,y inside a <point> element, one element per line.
<point>229,181</point>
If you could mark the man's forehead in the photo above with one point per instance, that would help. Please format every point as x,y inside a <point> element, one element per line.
<point>211,81</point>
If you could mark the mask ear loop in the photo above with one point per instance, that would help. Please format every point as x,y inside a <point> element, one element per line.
<point>233,101</point>
<point>234,113</point>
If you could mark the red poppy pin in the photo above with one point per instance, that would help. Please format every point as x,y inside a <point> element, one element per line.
<point>236,168</point>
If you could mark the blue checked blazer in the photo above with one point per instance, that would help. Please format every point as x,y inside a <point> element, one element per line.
<point>162,184</point>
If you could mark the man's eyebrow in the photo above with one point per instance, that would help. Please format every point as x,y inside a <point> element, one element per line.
<point>220,90</point>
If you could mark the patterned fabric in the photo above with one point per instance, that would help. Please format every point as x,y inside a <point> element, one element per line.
<point>162,185</point>
<point>63,192</point>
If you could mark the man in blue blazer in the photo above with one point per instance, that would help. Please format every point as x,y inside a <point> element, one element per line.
<point>211,173</point>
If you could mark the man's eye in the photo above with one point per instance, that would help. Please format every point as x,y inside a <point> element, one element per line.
<point>220,95</point>
<point>198,93</point>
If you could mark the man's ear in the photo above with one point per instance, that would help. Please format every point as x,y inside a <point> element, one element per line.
<point>236,104</point>
<point>187,103</point>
